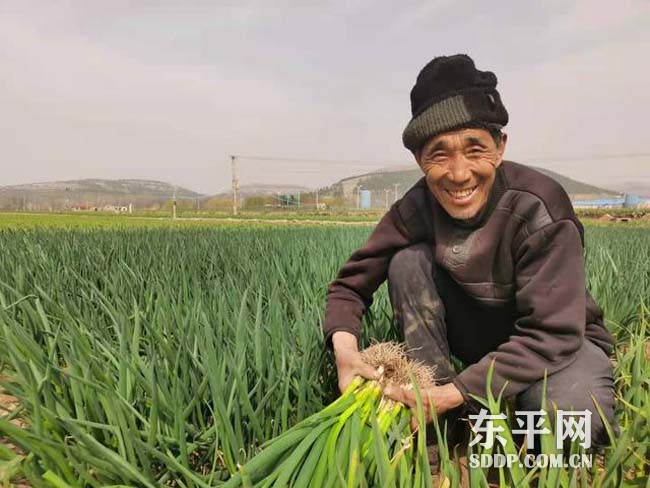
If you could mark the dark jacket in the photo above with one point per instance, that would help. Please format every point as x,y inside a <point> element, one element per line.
<point>523,256</point>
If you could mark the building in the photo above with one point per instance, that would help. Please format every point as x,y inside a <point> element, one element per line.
<point>625,201</point>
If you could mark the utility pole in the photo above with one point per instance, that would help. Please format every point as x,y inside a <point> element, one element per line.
<point>396,185</point>
<point>358,197</point>
<point>174,206</point>
<point>316,198</point>
<point>235,183</point>
<point>386,192</point>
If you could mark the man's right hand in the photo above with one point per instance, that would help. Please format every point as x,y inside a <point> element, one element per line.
<point>349,362</point>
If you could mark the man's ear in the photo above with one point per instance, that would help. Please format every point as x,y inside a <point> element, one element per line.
<point>417,154</point>
<point>501,148</point>
<point>504,141</point>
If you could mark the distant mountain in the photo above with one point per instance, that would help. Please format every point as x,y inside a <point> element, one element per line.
<point>151,194</point>
<point>577,189</point>
<point>380,181</point>
<point>90,193</point>
<point>638,188</point>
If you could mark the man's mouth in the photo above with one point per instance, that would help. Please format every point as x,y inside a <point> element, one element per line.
<point>463,194</point>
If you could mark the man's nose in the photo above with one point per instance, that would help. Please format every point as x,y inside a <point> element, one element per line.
<point>459,170</point>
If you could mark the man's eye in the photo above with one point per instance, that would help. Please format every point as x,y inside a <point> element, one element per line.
<point>475,152</point>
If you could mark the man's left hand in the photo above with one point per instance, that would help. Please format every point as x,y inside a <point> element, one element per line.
<point>437,398</point>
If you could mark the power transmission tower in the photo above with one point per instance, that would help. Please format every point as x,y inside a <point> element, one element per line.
<point>174,206</point>
<point>235,183</point>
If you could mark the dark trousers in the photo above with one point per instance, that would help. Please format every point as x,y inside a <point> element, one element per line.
<point>438,320</point>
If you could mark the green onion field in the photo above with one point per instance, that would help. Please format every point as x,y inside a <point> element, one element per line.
<point>166,354</point>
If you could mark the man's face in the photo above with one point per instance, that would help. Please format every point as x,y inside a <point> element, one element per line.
<point>460,167</point>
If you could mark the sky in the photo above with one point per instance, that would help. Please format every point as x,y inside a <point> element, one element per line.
<point>167,90</point>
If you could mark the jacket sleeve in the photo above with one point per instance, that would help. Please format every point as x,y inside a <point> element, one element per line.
<point>350,294</point>
<point>551,303</point>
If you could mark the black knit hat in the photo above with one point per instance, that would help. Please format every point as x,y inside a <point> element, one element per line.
<point>451,93</point>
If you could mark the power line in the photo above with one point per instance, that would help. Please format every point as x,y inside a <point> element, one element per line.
<point>551,159</point>
<point>371,162</point>
<point>312,171</point>
<point>316,160</point>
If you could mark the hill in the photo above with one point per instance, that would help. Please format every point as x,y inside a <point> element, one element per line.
<point>90,193</point>
<point>152,194</point>
<point>640,188</point>
<point>380,181</point>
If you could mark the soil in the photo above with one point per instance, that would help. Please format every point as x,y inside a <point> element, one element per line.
<point>8,405</point>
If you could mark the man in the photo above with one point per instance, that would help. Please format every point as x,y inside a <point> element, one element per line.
<point>484,261</point>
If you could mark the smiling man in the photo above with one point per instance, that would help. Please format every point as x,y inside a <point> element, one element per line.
<point>484,261</point>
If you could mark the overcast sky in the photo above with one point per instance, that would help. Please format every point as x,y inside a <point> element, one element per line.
<point>167,90</point>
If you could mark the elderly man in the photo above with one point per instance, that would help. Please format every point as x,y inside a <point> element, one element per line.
<point>484,261</point>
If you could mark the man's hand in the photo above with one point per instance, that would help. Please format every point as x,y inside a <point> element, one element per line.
<point>437,398</point>
<point>348,360</point>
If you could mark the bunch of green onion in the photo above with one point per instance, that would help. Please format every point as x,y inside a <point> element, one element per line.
<point>362,439</point>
